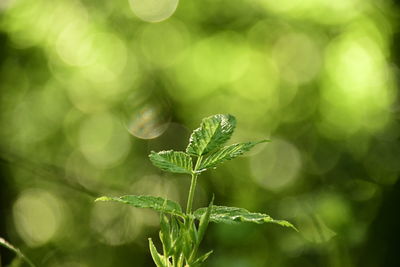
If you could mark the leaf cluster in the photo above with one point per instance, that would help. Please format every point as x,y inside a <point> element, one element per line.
<point>205,144</point>
<point>182,232</point>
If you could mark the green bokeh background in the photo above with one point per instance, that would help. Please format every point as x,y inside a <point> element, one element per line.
<point>89,88</point>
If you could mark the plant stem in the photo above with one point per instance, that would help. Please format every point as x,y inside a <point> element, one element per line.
<point>193,187</point>
<point>191,193</point>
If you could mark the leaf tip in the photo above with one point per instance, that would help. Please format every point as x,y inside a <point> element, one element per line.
<point>286,224</point>
<point>103,198</point>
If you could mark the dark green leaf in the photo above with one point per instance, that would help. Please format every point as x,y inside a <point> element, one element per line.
<point>227,153</point>
<point>158,259</point>
<point>172,161</point>
<point>213,132</point>
<point>155,203</point>
<point>221,214</point>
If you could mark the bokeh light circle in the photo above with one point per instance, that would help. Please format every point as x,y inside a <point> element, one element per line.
<point>37,216</point>
<point>116,224</point>
<point>102,141</point>
<point>277,166</point>
<point>146,115</point>
<point>153,10</point>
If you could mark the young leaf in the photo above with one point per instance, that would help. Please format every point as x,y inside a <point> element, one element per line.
<point>158,259</point>
<point>202,258</point>
<point>227,153</point>
<point>221,214</point>
<point>156,203</point>
<point>172,161</point>
<point>213,132</point>
<point>204,220</point>
<point>164,234</point>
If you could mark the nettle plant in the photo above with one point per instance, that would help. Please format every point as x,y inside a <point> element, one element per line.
<point>182,232</point>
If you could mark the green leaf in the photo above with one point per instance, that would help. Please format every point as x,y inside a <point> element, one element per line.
<point>172,161</point>
<point>204,220</point>
<point>221,214</point>
<point>7,245</point>
<point>156,203</point>
<point>165,234</point>
<point>227,153</point>
<point>158,259</point>
<point>202,258</point>
<point>213,132</point>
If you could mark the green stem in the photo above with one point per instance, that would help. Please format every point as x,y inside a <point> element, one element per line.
<point>5,244</point>
<point>193,187</point>
<point>191,193</point>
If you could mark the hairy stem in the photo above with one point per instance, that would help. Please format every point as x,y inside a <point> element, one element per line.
<point>193,187</point>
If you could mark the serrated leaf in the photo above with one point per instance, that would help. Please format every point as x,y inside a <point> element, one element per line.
<point>213,132</point>
<point>156,203</point>
<point>227,153</point>
<point>221,214</point>
<point>172,161</point>
<point>158,259</point>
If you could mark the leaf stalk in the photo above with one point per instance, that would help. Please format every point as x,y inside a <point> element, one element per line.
<point>193,184</point>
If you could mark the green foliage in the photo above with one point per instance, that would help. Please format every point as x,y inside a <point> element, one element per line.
<point>213,132</point>
<point>227,153</point>
<point>158,259</point>
<point>172,161</point>
<point>182,232</point>
<point>156,203</point>
<point>221,214</point>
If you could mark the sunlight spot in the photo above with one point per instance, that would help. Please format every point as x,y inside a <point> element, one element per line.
<point>277,166</point>
<point>102,141</point>
<point>298,57</point>
<point>153,10</point>
<point>146,117</point>
<point>115,223</point>
<point>38,215</point>
<point>164,43</point>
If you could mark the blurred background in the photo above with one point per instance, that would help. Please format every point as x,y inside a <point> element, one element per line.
<point>89,88</point>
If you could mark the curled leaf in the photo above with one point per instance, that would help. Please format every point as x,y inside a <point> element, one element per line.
<point>158,259</point>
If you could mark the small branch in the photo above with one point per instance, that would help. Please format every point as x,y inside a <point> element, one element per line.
<point>5,244</point>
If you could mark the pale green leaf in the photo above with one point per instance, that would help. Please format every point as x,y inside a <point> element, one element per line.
<point>156,203</point>
<point>165,234</point>
<point>204,220</point>
<point>202,258</point>
<point>172,161</point>
<point>221,214</point>
<point>227,153</point>
<point>213,132</point>
<point>158,259</point>
<point>9,246</point>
